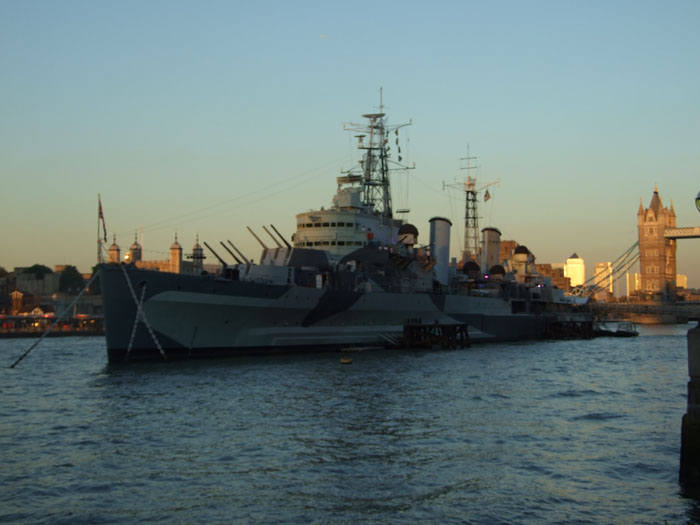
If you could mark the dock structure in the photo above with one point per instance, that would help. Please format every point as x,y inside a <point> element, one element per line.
<point>434,335</point>
<point>690,428</point>
<point>574,327</point>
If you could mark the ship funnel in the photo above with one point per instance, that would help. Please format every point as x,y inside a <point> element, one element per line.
<point>490,248</point>
<point>440,247</point>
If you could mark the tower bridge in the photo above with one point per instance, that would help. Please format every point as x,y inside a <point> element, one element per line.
<point>682,233</point>
<point>655,250</point>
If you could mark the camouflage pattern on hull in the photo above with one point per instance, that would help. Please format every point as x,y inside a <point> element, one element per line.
<point>207,316</point>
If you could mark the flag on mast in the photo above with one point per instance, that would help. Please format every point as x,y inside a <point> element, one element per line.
<point>101,217</point>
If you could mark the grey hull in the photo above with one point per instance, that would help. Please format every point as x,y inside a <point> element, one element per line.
<point>204,316</point>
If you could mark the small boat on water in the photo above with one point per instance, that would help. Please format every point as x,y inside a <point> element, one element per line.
<point>621,329</point>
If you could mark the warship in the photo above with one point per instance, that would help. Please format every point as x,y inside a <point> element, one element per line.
<point>354,276</point>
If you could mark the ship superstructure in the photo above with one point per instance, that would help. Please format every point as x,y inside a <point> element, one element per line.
<point>361,211</point>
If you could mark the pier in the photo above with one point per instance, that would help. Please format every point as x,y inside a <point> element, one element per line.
<point>434,335</point>
<point>690,427</point>
<point>648,312</point>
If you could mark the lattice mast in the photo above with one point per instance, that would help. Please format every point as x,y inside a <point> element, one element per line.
<point>376,162</point>
<point>471,216</point>
<point>472,234</point>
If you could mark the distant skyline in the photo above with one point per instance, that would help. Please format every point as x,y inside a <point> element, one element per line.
<point>202,118</point>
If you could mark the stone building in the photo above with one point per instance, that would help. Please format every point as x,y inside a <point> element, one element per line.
<point>174,264</point>
<point>657,255</point>
<point>114,252</point>
<point>506,250</point>
<point>555,273</point>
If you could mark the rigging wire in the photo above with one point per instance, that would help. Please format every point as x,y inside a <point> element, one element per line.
<point>192,215</point>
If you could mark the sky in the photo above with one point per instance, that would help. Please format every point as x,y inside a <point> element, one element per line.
<point>202,118</point>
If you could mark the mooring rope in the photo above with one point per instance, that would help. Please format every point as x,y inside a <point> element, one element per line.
<point>53,325</point>
<point>140,314</point>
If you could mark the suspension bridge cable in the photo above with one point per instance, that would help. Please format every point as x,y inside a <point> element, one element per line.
<point>617,262</point>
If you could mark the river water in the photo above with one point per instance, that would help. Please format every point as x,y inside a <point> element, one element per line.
<point>542,432</point>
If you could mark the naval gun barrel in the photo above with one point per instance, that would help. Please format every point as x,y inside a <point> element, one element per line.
<point>280,236</point>
<point>272,236</point>
<point>239,252</point>
<point>231,253</point>
<point>257,238</point>
<point>215,254</point>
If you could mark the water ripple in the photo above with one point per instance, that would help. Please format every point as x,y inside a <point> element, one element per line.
<point>565,432</point>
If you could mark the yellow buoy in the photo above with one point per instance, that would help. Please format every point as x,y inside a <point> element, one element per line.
<point>345,360</point>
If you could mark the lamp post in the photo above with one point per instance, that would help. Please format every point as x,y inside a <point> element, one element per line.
<point>697,201</point>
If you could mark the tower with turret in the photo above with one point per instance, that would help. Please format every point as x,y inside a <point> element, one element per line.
<point>114,251</point>
<point>197,257</point>
<point>175,256</point>
<point>657,254</point>
<point>135,251</point>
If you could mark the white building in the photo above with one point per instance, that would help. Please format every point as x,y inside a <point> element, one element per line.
<point>681,280</point>
<point>603,281</point>
<point>575,270</point>
<point>603,277</point>
<point>634,282</point>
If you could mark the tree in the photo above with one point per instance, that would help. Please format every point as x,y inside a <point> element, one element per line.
<point>95,288</point>
<point>38,270</point>
<point>70,281</point>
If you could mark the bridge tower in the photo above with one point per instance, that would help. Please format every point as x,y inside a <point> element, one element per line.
<point>657,254</point>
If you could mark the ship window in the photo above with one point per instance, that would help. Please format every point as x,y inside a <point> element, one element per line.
<point>325,243</point>
<point>358,243</point>
<point>317,243</point>
<point>341,224</point>
<point>332,225</point>
<point>325,225</point>
<point>309,225</point>
<point>341,243</point>
<point>317,225</point>
<point>309,244</point>
<point>332,243</point>
<point>349,224</point>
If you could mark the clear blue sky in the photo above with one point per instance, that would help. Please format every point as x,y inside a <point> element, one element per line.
<point>205,117</point>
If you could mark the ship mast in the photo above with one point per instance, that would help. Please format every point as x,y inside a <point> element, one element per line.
<point>472,235</point>
<point>376,162</point>
<point>471,217</point>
